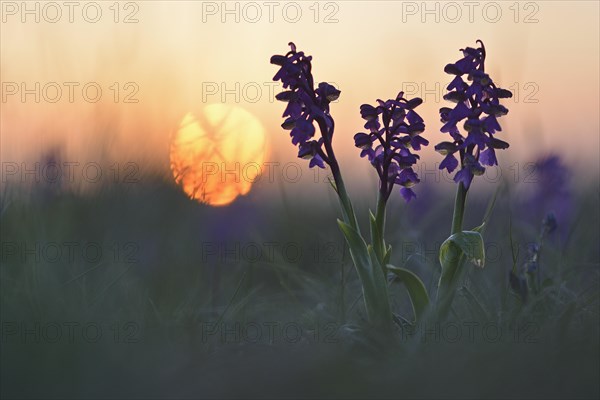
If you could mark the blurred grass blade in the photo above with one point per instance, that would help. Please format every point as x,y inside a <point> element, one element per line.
<point>235,292</point>
<point>477,308</point>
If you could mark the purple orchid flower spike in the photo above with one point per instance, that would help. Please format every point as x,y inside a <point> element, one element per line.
<point>306,105</point>
<point>393,129</point>
<point>478,104</point>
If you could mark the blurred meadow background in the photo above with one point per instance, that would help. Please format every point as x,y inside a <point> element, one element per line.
<point>119,280</point>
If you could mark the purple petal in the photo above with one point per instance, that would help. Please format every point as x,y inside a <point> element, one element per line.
<point>449,126</point>
<point>488,157</point>
<point>478,138</point>
<point>293,109</point>
<point>407,178</point>
<point>413,117</point>
<point>407,194</point>
<point>372,125</point>
<point>457,83</point>
<point>370,153</point>
<point>465,65</point>
<point>418,141</point>
<point>459,112</point>
<point>491,124</point>
<point>449,162</point>
<point>362,140</point>
<point>465,176</point>
<point>318,161</point>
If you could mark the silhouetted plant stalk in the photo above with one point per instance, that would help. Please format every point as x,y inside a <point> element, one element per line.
<point>392,136</point>
<point>478,104</point>
<point>307,105</point>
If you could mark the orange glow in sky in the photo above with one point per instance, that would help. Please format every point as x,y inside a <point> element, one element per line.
<point>154,61</point>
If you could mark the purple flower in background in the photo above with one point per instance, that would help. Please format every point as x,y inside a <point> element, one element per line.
<point>550,192</point>
<point>393,129</point>
<point>478,105</point>
<point>532,266</point>
<point>306,105</point>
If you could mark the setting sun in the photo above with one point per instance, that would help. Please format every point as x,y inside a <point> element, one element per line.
<point>217,155</point>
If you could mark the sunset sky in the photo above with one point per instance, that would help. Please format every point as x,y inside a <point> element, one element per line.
<point>180,55</point>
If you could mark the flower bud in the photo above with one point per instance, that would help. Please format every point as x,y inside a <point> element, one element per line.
<point>278,60</point>
<point>445,148</point>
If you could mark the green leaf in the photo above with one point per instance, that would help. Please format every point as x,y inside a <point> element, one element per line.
<point>376,238</point>
<point>462,246</point>
<point>380,283</point>
<point>371,276</point>
<point>373,225</point>
<point>416,290</point>
<point>388,255</point>
<point>470,243</point>
<point>357,246</point>
<point>479,229</point>
<point>332,183</point>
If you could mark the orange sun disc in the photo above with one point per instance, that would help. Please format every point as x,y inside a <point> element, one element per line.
<point>217,155</point>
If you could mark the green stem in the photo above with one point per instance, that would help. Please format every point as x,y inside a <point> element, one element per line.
<point>345,204</point>
<point>382,317</point>
<point>378,239</point>
<point>345,201</point>
<point>459,209</point>
<point>451,272</point>
<point>376,300</point>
